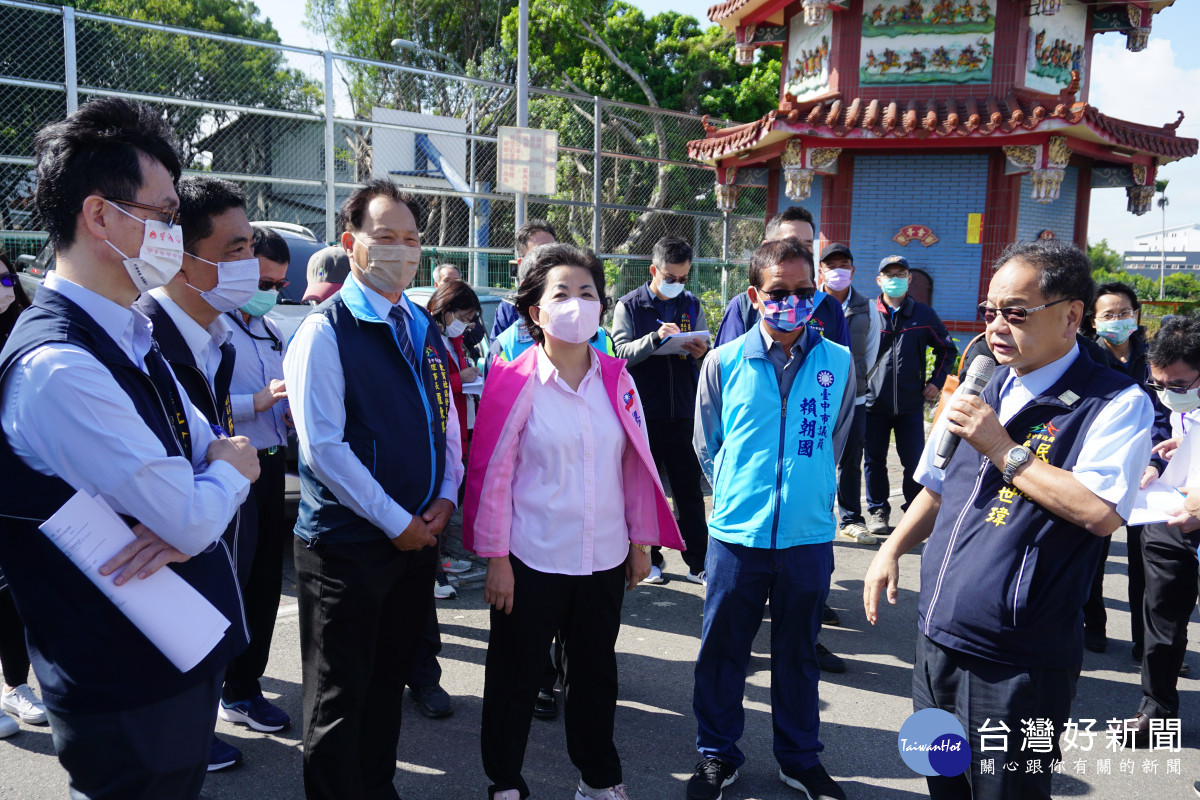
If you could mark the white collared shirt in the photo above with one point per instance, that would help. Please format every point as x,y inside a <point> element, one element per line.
<point>317,397</point>
<point>1114,455</point>
<point>65,415</point>
<point>568,499</point>
<point>204,343</point>
<point>259,361</point>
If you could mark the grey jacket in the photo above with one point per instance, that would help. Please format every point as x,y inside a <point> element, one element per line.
<point>858,320</point>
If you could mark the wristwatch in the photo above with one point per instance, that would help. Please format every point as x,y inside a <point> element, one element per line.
<point>1013,461</point>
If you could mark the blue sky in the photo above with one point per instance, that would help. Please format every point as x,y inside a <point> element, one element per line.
<point>1147,87</point>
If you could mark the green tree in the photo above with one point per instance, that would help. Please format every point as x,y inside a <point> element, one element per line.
<point>1104,258</point>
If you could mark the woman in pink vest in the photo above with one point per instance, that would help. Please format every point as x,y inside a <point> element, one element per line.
<point>559,446</point>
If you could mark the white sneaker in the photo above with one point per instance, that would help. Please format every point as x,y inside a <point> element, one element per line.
<point>21,702</point>
<point>456,566</point>
<point>586,792</point>
<point>854,532</point>
<point>655,575</point>
<point>442,589</point>
<point>698,577</point>
<point>8,726</point>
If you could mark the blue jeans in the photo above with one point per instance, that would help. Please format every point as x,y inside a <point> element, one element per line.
<point>741,580</point>
<point>849,469</point>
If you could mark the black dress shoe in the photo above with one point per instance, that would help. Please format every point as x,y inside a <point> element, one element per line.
<point>830,617</point>
<point>546,705</point>
<point>432,701</point>
<point>828,661</point>
<point>1133,731</point>
<point>1095,641</point>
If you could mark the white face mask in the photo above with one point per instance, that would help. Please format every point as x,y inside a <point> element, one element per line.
<point>7,296</point>
<point>572,320</point>
<point>838,279</point>
<point>390,267</point>
<point>237,282</point>
<point>160,257</point>
<point>1182,403</point>
<point>455,328</point>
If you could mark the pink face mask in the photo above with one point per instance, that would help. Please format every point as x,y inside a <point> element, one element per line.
<point>573,320</point>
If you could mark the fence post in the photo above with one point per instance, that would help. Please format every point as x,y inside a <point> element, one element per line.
<point>330,191</point>
<point>70,73</point>
<point>724,259</point>
<point>597,143</point>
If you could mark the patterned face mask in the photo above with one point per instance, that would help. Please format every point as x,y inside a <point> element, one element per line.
<point>787,314</point>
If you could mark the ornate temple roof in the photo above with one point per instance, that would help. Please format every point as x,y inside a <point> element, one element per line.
<point>983,116</point>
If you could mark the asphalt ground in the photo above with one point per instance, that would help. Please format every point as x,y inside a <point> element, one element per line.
<point>861,710</point>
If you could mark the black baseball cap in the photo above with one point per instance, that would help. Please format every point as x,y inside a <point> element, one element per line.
<point>887,262</point>
<point>836,249</point>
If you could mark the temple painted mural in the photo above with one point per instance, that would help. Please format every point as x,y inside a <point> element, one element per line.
<point>942,41</point>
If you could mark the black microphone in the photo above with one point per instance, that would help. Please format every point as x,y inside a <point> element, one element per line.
<point>974,382</point>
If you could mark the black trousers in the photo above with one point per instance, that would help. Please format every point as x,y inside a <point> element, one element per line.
<point>426,672</point>
<point>671,446</point>
<point>976,690</point>
<point>1169,557</point>
<point>1137,589</point>
<point>1095,617</point>
<point>363,606</point>
<point>14,656</point>
<point>264,582</point>
<point>159,750</point>
<point>586,610</point>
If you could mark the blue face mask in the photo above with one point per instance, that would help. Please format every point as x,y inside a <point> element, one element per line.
<point>260,303</point>
<point>895,287</point>
<point>788,314</point>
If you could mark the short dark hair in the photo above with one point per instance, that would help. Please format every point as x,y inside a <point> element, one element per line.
<point>451,297</point>
<point>268,243</point>
<point>355,206</point>
<point>1177,340</point>
<point>775,252</point>
<point>95,151</point>
<point>1064,271</point>
<point>671,250</point>
<point>1118,288</point>
<point>20,301</point>
<point>790,214</point>
<point>545,258</point>
<point>529,229</point>
<point>200,199</point>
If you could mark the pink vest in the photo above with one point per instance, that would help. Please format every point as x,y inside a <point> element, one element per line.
<point>503,410</point>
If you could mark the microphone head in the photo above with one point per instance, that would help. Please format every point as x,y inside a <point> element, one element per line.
<point>981,369</point>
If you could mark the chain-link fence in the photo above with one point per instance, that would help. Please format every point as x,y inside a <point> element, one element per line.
<point>300,128</point>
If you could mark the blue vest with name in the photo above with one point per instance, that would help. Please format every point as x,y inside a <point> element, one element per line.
<point>774,478</point>
<point>1002,578</point>
<point>395,416</point>
<point>87,655</point>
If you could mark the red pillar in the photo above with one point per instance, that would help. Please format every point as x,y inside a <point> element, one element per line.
<point>1083,202</point>
<point>999,218</point>
<point>837,195</point>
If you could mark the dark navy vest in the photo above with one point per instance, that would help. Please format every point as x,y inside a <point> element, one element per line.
<point>667,383</point>
<point>1001,577</point>
<point>395,416</point>
<point>88,657</point>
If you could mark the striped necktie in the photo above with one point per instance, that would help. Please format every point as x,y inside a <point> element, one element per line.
<point>406,345</point>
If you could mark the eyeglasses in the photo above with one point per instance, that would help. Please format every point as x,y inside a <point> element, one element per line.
<point>1114,317</point>
<point>1014,315</point>
<point>267,286</point>
<point>8,279</point>
<point>171,214</point>
<point>903,273</point>
<point>779,295</point>
<point>1155,386</point>
<point>671,278</point>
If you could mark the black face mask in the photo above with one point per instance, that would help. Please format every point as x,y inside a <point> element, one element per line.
<point>473,335</point>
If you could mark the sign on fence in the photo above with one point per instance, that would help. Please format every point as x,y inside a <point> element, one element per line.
<point>528,161</point>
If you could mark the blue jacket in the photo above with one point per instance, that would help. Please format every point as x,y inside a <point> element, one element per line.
<point>741,316</point>
<point>395,416</point>
<point>667,383</point>
<point>88,656</point>
<point>506,316</point>
<point>898,377</point>
<point>774,476</point>
<point>1002,578</point>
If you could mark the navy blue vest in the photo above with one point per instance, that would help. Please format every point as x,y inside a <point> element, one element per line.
<point>667,383</point>
<point>1001,577</point>
<point>87,655</point>
<point>395,416</point>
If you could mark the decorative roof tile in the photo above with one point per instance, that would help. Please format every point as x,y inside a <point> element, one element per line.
<point>726,9</point>
<point>987,115</point>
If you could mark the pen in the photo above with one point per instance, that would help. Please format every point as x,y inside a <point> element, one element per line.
<point>217,430</point>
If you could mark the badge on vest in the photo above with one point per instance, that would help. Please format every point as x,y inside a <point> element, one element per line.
<point>1038,440</point>
<point>627,399</point>
<point>441,384</point>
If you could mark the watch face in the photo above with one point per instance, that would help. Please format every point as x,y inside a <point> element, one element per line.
<point>1018,455</point>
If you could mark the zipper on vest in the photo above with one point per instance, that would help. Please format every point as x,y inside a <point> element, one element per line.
<point>237,585</point>
<point>953,537</point>
<point>779,468</point>
<point>416,373</point>
<point>170,422</point>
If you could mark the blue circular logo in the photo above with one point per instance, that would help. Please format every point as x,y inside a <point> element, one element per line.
<point>933,742</point>
<point>825,378</point>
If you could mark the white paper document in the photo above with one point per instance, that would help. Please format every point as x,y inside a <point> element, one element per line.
<point>176,618</point>
<point>673,344</point>
<point>474,387</point>
<point>1158,502</point>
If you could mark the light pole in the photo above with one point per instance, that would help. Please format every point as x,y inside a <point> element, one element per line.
<point>405,44</point>
<point>1163,202</point>
<point>523,92</point>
